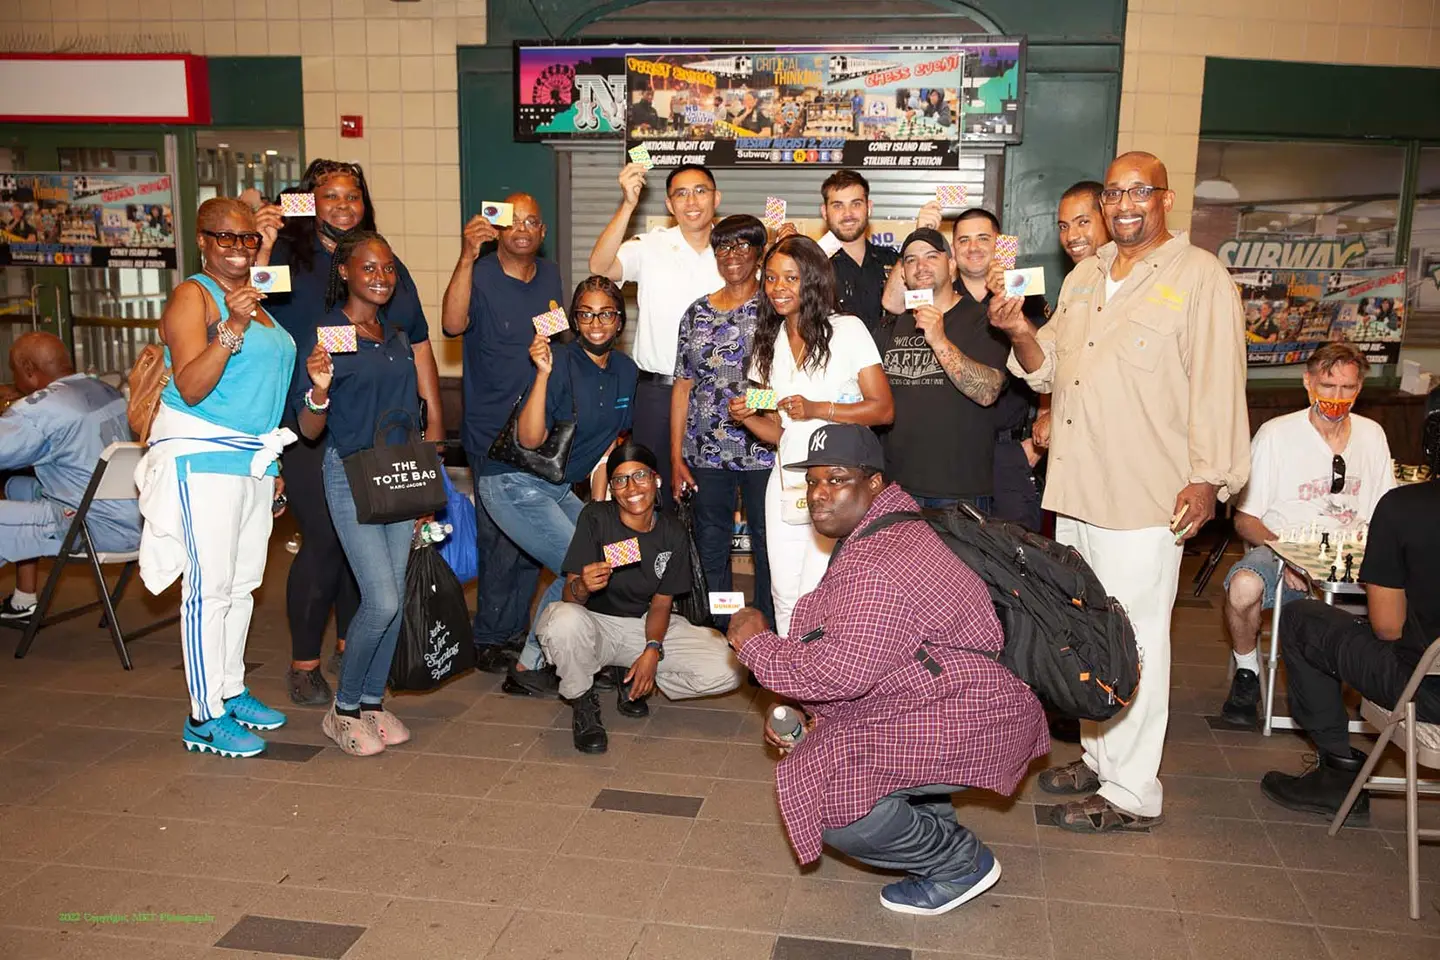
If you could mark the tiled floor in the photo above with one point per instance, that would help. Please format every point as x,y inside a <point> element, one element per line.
<point>488,836</point>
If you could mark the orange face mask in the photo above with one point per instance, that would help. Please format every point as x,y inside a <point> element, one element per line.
<point>1332,410</point>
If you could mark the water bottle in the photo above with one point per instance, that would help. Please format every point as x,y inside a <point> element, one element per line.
<point>788,724</point>
<point>434,532</point>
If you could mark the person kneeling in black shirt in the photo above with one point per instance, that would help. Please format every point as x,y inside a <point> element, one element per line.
<point>624,568</point>
<point>1324,647</point>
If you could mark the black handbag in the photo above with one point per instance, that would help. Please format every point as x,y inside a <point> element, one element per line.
<point>547,461</point>
<point>393,482</point>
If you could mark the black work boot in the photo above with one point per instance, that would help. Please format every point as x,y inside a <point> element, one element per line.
<point>634,709</point>
<point>1321,789</point>
<point>1241,707</point>
<point>587,726</point>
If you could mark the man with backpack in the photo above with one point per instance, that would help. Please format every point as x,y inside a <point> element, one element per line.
<point>893,658</point>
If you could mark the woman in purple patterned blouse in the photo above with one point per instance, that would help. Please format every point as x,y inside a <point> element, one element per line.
<point>712,455</point>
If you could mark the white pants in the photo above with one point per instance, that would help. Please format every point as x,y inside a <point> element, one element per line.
<point>697,662</point>
<point>798,556</point>
<point>226,522</point>
<point>1141,569</point>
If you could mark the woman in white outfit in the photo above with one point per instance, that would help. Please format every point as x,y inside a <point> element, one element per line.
<point>824,368</point>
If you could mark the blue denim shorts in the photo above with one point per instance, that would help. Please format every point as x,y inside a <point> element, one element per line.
<point>1262,562</point>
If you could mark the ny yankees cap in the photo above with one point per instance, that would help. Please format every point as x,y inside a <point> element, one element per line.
<point>842,445</point>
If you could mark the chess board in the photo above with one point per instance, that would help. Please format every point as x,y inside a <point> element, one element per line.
<point>1306,556</point>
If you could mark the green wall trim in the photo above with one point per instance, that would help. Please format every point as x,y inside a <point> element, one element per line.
<point>1318,101</point>
<point>256,92</point>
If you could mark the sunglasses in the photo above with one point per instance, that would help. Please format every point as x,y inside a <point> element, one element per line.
<point>1337,474</point>
<point>225,239</point>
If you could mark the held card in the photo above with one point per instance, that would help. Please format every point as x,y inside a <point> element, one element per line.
<point>759,399</point>
<point>724,604</point>
<point>623,552</point>
<point>274,279</point>
<point>500,214</point>
<point>1026,282</point>
<point>918,298</point>
<point>297,204</point>
<point>340,339</point>
<point>550,322</point>
<point>1007,248</point>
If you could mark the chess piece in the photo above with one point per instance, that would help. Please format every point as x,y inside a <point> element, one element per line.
<point>1324,540</point>
<point>1324,552</point>
<point>1331,578</point>
<point>1349,562</point>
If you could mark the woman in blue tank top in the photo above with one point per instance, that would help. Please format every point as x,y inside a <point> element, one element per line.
<point>209,486</point>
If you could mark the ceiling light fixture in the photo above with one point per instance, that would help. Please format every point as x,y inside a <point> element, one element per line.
<point>1218,188</point>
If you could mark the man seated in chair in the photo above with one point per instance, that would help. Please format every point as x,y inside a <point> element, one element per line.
<point>58,427</point>
<point>1324,647</point>
<point>1320,465</point>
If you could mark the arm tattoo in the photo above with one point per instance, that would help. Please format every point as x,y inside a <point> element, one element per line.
<point>971,377</point>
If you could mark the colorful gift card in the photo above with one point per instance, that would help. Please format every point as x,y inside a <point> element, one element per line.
<point>724,604</point>
<point>641,155</point>
<point>270,279</point>
<point>951,194</point>
<point>623,553</point>
<point>498,213</point>
<point>550,322</point>
<point>919,298</point>
<point>297,204</point>
<point>758,399</point>
<point>1007,248</point>
<point>1027,282</point>
<point>774,212</point>
<point>339,339</point>
<point>830,244</point>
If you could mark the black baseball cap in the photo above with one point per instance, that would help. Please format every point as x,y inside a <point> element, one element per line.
<point>843,445</point>
<point>935,238</point>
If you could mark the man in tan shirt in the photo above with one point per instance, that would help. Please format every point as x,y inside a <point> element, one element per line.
<point>1145,357</point>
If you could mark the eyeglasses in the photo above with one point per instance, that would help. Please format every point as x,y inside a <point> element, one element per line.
<point>1337,474</point>
<point>685,193</point>
<point>734,246</point>
<point>588,317</point>
<point>641,478</point>
<point>1139,193</point>
<point>529,223</point>
<point>225,239</point>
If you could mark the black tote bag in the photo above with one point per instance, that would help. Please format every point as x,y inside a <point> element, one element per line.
<point>393,482</point>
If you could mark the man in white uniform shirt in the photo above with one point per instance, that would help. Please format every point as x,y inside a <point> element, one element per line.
<point>1319,465</point>
<point>672,267</point>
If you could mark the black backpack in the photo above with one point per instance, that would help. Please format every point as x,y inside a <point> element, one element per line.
<point>1064,636</point>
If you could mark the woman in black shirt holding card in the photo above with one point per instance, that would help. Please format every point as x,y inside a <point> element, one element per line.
<point>625,565</point>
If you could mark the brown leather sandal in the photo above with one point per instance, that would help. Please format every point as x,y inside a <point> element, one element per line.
<point>1095,814</point>
<point>1071,780</point>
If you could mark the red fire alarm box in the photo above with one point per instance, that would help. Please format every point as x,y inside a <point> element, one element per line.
<point>352,126</point>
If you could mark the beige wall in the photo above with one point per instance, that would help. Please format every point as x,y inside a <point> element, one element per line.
<point>1167,41</point>
<point>393,63</point>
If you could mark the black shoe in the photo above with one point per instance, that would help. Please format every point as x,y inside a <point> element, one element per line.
<point>1241,708</point>
<point>13,614</point>
<point>587,726</point>
<point>543,683</point>
<point>634,709</point>
<point>1064,729</point>
<point>308,688</point>
<point>1321,789</point>
<point>608,678</point>
<point>516,643</point>
<point>494,658</point>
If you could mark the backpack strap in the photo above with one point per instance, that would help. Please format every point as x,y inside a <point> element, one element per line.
<point>876,525</point>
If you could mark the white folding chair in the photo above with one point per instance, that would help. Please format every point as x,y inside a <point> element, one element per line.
<point>1421,743</point>
<point>113,479</point>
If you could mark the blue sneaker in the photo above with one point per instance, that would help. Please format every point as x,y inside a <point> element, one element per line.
<point>249,712</point>
<point>223,736</point>
<point>929,898</point>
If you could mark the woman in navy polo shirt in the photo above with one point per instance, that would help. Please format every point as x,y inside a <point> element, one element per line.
<point>350,396</point>
<point>587,381</point>
<point>319,578</point>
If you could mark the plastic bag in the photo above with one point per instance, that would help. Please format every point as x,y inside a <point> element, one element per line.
<point>458,549</point>
<point>695,605</point>
<point>435,642</point>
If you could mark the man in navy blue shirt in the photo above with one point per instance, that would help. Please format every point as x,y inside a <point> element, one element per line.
<point>491,300</point>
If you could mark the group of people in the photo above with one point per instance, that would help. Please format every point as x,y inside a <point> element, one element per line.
<point>1135,384</point>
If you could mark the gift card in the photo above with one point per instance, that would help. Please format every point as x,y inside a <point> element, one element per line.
<point>1026,282</point>
<point>758,399</point>
<point>919,298</point>
<point>270,279</point>
<point>641,155</point>
<point>724,604</point>
<point>951,194</point>
<point>623,552</point>
<point>830,244</point>
<point>550,322</point>
<point>774,212</point>
<point>500,214</point>
<point>339,339</point>
<point>297,204</point>
<point>1007,248</point>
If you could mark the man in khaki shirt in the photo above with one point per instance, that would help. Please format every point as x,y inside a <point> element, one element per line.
<point>1145,357</point>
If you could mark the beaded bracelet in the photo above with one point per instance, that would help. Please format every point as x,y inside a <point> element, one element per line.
<point>314,407</point>
<point>230,340</point>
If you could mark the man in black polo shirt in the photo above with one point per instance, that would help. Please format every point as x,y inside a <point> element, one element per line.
<point>946,369</point>
<point>861,266</point>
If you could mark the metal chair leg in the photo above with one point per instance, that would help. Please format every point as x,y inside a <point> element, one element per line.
<point>126,572</point>
<point>116,636</point>
<point>1207,569</point>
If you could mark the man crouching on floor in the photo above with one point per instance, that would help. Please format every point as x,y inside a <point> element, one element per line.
<point>890,658</point>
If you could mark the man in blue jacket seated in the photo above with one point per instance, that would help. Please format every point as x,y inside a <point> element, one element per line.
<point>58,427</point>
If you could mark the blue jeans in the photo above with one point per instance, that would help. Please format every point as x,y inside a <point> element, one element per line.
<point>1263,562</point>
<point>983,504</point>
<point>378,553</point>
<point>507,576</point>
<point>540,517</point>
<point>714,512</point>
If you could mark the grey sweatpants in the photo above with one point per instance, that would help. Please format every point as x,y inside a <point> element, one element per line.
<point>913,830</point>
<point>697,663</point>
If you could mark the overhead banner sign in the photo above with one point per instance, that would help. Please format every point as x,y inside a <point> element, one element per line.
<point>1288,313</point>
<point>579,92</point>
<point>86,220</point>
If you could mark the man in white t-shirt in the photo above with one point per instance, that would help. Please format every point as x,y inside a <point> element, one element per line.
<point>672,267</point>
<point>1319,465</point>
